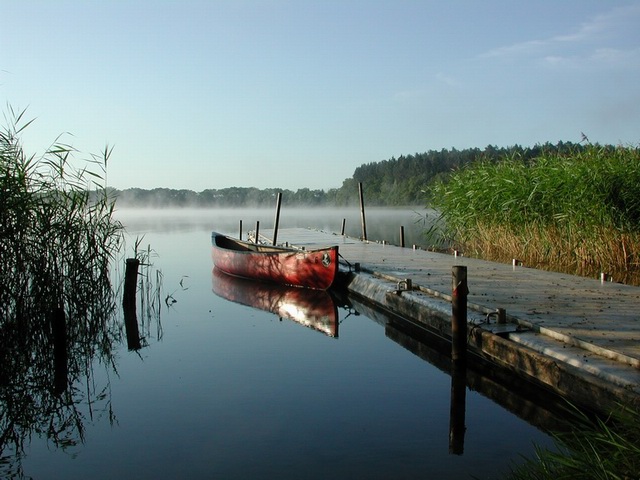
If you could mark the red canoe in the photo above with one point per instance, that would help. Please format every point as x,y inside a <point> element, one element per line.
<point>287,266</point>
<point>314,309</point>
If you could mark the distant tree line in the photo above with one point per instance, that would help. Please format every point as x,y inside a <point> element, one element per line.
<point>394,182</point>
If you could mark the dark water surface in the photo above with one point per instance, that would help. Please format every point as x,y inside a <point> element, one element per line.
<point>224,390</point>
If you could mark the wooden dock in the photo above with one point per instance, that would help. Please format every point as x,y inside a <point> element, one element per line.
<point>578,336</point>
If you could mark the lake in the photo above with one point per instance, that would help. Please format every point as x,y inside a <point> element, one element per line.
<point>224,390</point>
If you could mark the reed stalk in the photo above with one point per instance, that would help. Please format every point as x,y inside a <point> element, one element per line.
<point>58,239</point>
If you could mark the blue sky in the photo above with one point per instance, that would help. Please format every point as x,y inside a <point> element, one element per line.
<point>293,94</point>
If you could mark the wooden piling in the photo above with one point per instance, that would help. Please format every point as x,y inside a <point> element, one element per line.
<point>459,314</point>
<point>256,240</point>
<point>344,223</point>
<point>362,215</point>
<point>277,219</point>
<point>401,236</point>
<point>240,235</point>
<point>130,282</point>
<point>129,304</point>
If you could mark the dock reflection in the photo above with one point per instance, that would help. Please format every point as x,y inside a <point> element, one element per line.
<point>315,309</point>
<point>535,405</point>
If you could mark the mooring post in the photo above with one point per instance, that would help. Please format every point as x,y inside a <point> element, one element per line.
<point>130,282</point>
<point>459,314</point>
<point>240,236</point>
<point>257,231</point>
<point>277,220</point>
<point>458,359</point>
<point>362,216</point>
<point>129,303</point>
<point>401,236</point>
<point>344,223</point>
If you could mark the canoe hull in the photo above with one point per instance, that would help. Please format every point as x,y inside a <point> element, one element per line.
<point>311,308</point>
<point>300,268</point>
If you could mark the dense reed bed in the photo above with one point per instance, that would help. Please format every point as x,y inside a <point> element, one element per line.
<point>58,233</point>
<point>577,212</point>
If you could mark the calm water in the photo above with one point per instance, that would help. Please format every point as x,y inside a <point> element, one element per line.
<point>224,390</point>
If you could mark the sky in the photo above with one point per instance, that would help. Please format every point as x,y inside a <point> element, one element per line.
<point>297,94</point>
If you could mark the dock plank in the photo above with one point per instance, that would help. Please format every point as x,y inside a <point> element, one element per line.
<point>603,316</point>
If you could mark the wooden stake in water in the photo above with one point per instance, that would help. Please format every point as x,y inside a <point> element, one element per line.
<point>130,283</point>
<point>402,236</point>
<point>240,236</point>
<point>277,220</point>
<point>458,359</point>
<point>362,216</point>
<point>459,314</point>
<point>344,223</point>
<point>129,304</point>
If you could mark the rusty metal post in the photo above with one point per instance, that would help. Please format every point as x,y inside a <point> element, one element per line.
<point>459,314</point>
<point>362,215</point>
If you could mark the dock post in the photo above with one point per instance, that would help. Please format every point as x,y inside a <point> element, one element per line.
<point>130,283</point>
<point>401,236</point>
<point>344,222</point>
<point>362,216</point>
<point>458,359</point>
<point>240,236</point>
<point>277,220</point>
<point>129,303</point>
<point>256,240</point>
<point>459,314</point>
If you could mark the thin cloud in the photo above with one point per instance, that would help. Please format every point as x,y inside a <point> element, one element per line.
<point>448,80</point>
<point>594,40</point>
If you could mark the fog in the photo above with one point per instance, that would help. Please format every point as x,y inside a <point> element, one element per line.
<point>382,223</point>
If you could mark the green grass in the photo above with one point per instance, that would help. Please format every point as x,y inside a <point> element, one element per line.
<point>589,449</point>
<point>579,211</point>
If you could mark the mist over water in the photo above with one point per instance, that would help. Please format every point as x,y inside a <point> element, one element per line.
<point>382,223</point>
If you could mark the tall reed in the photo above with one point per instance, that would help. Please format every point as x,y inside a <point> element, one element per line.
<point>58,232</point>
<point>577,211</point>
<point>58,238</point>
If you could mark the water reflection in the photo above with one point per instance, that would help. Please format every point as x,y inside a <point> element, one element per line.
<point>50,357</point>
<point>47,356</point>
<point>314,309</point>
<point>534,405</point>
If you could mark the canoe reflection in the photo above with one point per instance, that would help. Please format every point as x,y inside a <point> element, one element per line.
<point>315,309</point>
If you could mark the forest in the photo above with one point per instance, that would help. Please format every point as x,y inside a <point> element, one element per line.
<point>398,181</point>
